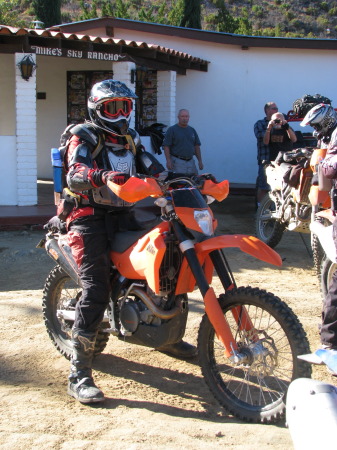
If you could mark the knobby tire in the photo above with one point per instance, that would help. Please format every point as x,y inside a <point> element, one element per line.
<point>269,231</point>
<point>58,291</point>
<point>255,391</point>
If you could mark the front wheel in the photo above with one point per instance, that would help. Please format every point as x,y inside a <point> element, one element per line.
<point>254,390</point>
<point>268,228</point>
<point>328,268</point>
<point>60,296</point>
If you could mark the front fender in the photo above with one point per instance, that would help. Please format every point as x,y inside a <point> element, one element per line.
<point>248,244</point>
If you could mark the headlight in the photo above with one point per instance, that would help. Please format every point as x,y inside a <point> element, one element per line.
<point>204,220</point>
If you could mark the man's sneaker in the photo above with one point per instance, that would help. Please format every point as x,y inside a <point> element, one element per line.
<point>180,349</point>
<point>85,390</point>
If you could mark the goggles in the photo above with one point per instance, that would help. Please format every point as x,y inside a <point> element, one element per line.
<point>116,107</point>
<point>317,126</point>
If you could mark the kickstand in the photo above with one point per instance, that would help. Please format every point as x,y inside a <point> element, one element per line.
<point>306,246</point>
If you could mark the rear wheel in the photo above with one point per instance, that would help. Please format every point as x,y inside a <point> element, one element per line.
<point>268,229</point>
<point>61,294</point>
<point>254,390</point>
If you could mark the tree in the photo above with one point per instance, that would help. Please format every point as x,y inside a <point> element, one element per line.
<point>107,9</point>
<point>122,9</point>
<point>192,14</point>
<point>48,12</point>
<point>222,20</point>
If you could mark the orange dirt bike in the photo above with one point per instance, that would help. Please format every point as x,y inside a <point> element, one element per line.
<point>248,340</point>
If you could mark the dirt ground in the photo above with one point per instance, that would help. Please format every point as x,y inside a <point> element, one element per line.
<point>153,401</point>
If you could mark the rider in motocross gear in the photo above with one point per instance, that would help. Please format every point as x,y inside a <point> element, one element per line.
<point>323,118</point>
<point>102,149</point>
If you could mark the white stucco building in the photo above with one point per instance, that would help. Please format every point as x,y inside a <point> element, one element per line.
<point>223,79</point>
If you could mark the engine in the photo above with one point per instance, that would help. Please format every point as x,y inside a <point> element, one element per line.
<point>134,312</point>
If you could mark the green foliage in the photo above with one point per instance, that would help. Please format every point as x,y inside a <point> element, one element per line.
<point>258,11</point>
<point>107,9</point>
<point>146,15</point>
<point>191,15</point>
<point>175,13</point>
<point>122,9</point>
<point>311,11</point>
<point>332,11</point>
<point>222,20</point>
<point>324,6</point>
<point>289,15</point>
<point>323,21</point>
<point>8,14</point>
<point>47,12</point>
<point>89,11</point>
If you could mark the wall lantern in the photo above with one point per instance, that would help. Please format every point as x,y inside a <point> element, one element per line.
<point>27,67</point>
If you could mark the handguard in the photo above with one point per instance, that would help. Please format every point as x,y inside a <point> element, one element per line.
<point>135,189</point>
<point>219,191</point>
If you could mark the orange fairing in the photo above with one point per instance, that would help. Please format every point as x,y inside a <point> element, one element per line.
<point>217,319</point>
<point>143,260</point>
<point>248,244</point>
<point>318,197</point>
<point>136,189</point>
<point>219,191</point>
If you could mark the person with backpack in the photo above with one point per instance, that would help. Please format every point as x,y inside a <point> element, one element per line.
<point>323,118</point>
<point>101,149</point>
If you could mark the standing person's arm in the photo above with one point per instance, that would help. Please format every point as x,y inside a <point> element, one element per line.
<point>291,132</point>
<point>167,144</point>
<point>168,157</point>
<point>266,137</point>
<point>197,151</point>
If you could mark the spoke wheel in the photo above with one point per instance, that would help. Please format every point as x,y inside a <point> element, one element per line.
<point>254,390</point>
<point>268,229</point>
<point>61,294</point>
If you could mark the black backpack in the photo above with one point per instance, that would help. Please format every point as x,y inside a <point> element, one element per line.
<point>303,105</point>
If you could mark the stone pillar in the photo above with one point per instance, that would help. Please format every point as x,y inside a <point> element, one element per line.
<point>26,151</point>
<point>166,97</point>
<point>122,72</point>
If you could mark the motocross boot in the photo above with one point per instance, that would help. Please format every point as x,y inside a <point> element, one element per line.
<point>80,382</point>
<point>180,349</point>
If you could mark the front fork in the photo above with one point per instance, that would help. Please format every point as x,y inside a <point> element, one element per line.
<point>212,306</point>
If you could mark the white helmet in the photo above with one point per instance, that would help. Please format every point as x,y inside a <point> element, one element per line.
<point>322,118</point>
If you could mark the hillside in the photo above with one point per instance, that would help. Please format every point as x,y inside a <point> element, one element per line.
<point>291,18</point>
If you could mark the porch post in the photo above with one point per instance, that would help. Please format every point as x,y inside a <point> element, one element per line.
<point>166,97</point>
<point>122,72</point>
<point>26,149</point>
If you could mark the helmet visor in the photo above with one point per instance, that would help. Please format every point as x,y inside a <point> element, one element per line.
<point>112,109</point>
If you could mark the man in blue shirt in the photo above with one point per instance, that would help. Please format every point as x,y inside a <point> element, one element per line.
<point>260,131</point>
<point>181,143</point>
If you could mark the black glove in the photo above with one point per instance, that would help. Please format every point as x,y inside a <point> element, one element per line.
<point>116,177</point>
<point>285,126</point>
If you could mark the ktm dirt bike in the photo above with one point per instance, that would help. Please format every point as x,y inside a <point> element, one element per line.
<point>286,206</point>
<point>248,340</point>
